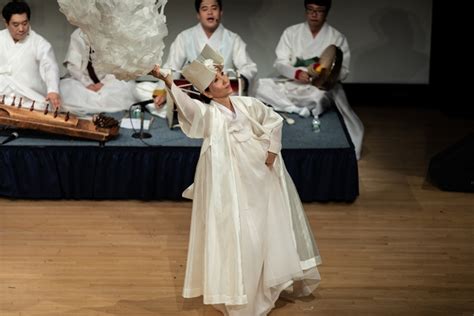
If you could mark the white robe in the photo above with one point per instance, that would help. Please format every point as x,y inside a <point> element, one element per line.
<point>189,44</point>
<point>249,236</point>
<point>297,42</point>
<point>28,69</point>
<point>115,95</point>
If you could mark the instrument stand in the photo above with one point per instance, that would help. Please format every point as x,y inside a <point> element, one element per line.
<point>141,134</point>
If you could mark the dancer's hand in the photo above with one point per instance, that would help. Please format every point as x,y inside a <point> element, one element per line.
<point>270,159</point>
<point>158,73</point>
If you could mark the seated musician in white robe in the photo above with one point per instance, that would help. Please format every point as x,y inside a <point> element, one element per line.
<point>209,31</point>
<point>84,90</point>
<point>28,68</point>
<point>298,47</point>
<point>189,43</point>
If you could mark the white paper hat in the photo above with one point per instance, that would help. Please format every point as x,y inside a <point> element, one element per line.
<point>202,71</point>
<point>208,53</point>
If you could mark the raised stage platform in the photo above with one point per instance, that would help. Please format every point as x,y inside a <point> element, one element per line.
<point>43,166</point>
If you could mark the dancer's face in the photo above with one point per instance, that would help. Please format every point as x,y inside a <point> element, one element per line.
<point>220,87</point>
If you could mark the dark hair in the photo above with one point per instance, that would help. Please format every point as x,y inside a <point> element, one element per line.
<point>323,3</point>
<point>204,98</point>
<point>197,4</point>
<point>15,7</point>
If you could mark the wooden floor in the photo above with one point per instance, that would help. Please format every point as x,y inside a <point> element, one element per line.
<point>402,248</point>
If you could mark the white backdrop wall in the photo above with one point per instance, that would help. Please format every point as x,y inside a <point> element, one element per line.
<point>389,40</point>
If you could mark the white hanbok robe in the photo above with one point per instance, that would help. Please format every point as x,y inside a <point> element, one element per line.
<point>249,238</point>
<point>297,42</point>
<point>28,69</point>
<point>189,43</point>
<point>115,95</point>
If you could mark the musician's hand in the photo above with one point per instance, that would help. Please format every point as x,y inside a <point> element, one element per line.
<point>159,101</point>
<point>168,79</point>
<point>54,99</point>
<point>270,159</point>
<point>303,76</point>
<point>95,86</point>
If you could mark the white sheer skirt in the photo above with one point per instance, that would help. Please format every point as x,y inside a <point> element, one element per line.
<point>270,257</point>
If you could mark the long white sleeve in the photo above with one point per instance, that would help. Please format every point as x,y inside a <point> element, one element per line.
<point>284,61</point>
<point>48,67</point>
<point>272,122</point>
<point>190,112</point>
<point>76,57</point>
<point>78,74</point>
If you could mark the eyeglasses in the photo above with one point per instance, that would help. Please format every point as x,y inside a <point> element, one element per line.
<point>315,11</point>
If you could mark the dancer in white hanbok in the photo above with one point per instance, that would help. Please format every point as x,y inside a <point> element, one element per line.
<point>209,31</point>
<point>250,238</point>
<point>84,90</point>
<point>28,67</point>
<point>297,48</point>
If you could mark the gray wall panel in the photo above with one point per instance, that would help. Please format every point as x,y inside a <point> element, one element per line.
<point>390,40</point>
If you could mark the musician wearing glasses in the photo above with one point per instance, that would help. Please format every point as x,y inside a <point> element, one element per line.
<point>301,45</point>
<point>28,68</point>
